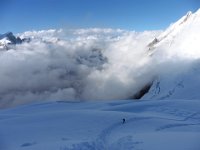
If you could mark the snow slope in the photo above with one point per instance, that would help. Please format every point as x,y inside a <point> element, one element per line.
<point>180,38</point>
<point>150,125</point>
<point>177,53</point>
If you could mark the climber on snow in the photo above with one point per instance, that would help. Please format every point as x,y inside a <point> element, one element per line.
<point>123,120</point>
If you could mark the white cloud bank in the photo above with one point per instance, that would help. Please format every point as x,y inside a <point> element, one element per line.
<point>82,64</point>
<point>94,64</point>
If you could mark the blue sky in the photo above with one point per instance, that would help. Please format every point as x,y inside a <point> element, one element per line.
<point>139,15</point>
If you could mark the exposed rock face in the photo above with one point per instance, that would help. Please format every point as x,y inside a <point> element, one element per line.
<point>7,40</point>
<point>142,91</point>
<point>10,37</point>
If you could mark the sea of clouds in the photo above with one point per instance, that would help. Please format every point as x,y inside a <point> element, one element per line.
<point>81,64</point>
<point>90,64</point>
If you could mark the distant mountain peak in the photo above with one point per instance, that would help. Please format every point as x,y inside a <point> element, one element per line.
<point>185,18</point>
<point>9,38</point>
<point>6,35</point>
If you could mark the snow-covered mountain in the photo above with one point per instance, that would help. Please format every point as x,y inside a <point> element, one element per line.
<point>179,47</point>
<point>171,32</point>
<point>8,40</point>
<point>183,34</point>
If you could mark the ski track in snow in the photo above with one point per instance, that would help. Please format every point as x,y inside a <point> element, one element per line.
<point>103,137</point>
<point>101,143</point>
<point>127,142</point>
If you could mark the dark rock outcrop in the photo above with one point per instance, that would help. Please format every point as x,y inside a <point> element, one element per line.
<point>142,91</point>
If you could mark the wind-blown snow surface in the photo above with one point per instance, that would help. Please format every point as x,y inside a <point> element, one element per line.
<point>150,125</point>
